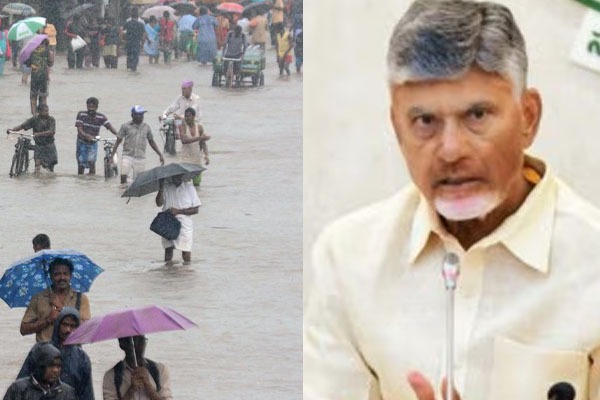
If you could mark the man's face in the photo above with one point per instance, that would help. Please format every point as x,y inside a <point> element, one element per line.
<point>66,326</point>
<point>189,118</point>
<point>137,118</point>
<point>139,343</point>
<point>52,372</point>
<point>43,111</point>
<point>463,141</point>
<point>92,108</point>
<point>177,180</point>
<point>61,277</point>
<point>186,91</point>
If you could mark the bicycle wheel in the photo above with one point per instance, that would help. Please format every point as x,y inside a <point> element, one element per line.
<point>14,165</point>
<point>107,169</point>
<point>229,75</point>
<point>170,142</point>
<point>25,166</point>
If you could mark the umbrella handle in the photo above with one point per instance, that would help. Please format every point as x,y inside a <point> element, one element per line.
<point>135,364</point>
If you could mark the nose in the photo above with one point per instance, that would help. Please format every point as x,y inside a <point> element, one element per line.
<point>454,142</point>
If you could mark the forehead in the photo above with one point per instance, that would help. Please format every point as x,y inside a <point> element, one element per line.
<point>69,319</point>
<point>61,268</point>
<point>475,86</point>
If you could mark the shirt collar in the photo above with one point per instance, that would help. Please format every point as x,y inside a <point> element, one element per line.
<point>527,233</point>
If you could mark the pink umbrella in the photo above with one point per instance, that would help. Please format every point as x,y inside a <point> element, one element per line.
<point>30,46</point>
<point>231,7</point>
<point>129,322</point>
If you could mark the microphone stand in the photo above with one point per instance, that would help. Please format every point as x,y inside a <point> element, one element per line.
<point>450,272</point>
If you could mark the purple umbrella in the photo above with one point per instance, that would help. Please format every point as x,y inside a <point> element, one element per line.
<point>30,46</point>
<point>129,322</point>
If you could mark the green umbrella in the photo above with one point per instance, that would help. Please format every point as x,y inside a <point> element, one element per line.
<point>26,28</point>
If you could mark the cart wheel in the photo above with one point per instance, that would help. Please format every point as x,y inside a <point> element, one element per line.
<point>214,79</point>
<point>261,79</point>
<point>254,80</point>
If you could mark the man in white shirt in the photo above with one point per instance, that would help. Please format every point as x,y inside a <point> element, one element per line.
<point>180,197</point>
<point>527,295</point>
<point>181,103</point>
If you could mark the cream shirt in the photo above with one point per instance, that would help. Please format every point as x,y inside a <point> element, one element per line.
<point>527,303</point>
<point>109,391</point>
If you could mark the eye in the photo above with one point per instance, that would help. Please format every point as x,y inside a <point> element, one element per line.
<point>425,119</point>
<point>478,113</point>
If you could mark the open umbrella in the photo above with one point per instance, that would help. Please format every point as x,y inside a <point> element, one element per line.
<point>129,322</point>
<point>28,276</point>
<point>158,11</point>
<point>26,28</point>
<point>184,8</point>
<point>257,8</point>
<point>148,181</point>
<point>231,7</point>
<point>142,2</point>
<point>30,46</point>
<point>18,9</point>
<point>77,10</point>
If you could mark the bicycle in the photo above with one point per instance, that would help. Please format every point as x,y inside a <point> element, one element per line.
<point>168,130</point>
<point>110,165</point>
<point>20,160</point>
<point>232,71</point>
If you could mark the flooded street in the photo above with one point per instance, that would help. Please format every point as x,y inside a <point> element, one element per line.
<point>243,287</point>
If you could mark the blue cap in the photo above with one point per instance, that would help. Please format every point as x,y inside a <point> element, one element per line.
<point>137,109</point>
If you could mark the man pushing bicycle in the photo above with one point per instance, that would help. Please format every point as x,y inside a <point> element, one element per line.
<point>44,127</point>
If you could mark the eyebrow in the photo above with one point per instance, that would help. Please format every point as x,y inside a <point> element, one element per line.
<point>416,111</point>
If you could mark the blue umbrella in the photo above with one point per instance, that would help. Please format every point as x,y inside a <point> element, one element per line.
<point>29,276</point>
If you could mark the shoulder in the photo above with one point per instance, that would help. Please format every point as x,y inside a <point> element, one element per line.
<point>371,223</point>
<point>575,210</point>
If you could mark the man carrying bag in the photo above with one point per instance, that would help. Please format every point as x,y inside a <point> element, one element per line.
<point>179,197</point>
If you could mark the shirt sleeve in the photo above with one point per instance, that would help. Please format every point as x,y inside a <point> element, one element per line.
<point>78,121</point>
<point>31,314</point>
<point>52,127</point>
<point>165,382</point>
<point>109,392</point>
<point>122,132</point>
<point>333,366</point>
<point>28,124</point>
<point>173,107</point>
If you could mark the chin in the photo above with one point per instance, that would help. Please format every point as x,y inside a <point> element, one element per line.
<point>468,208</point>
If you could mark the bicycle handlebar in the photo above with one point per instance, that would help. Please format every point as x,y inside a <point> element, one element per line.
<point>105,140</point>
<point>10,132</point>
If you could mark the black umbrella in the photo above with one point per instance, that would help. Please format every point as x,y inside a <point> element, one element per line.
<point>256,9</point>
<point>77,10</point>
<point>148,181</point>
<point>184,8</point>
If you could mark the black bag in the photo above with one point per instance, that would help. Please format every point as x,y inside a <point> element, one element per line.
<point>166,225</point>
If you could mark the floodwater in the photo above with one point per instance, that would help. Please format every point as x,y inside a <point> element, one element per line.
<point>243,287</point>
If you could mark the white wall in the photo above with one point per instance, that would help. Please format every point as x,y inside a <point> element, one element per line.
<point>350,154</point>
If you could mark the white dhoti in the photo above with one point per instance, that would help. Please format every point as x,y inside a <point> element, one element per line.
<point>181,197</point>
<point>186,235</point>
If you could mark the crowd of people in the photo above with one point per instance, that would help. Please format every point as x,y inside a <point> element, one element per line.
<point>57,370</point>
<point>52,368</point>
<point>195,35</point>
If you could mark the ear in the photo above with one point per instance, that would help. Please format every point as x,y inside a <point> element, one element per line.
<point>531,103</point>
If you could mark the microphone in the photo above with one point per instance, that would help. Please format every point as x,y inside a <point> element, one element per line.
<point>561,391</point>
<point>450,272</point>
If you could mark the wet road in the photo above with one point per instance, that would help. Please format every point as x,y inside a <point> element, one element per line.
<point>243,287</point>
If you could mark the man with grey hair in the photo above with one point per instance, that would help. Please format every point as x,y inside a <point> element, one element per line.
<point>375,307</point>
